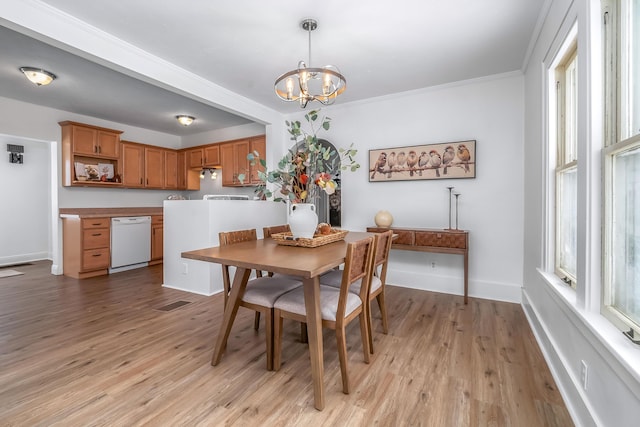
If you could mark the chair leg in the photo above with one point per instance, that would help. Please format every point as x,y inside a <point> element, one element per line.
<point>383,311</point>
<point>342,354</point>
<point>366,336</point>
<point>277,339</point>
<point>304,337</point>
<point>256,321</point>
<point>370,327</point>
<point>268,321</point>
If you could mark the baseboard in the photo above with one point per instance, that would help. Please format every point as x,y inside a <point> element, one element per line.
<point>455,286</point>
<point>191,291</point>
<point>23,258</point>
<point>568,384</point>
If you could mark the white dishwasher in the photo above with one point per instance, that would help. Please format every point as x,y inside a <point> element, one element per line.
<point>130,242</point>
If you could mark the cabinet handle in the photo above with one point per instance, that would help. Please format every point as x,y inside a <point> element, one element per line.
<point>96,255</point>
<point>140,181</point>
<point>97,234</point>
<point>99,149</point>
<point>96,223</point>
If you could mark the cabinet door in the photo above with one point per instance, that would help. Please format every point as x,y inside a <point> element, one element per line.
<point>195,158</point>
<point>157,237</point>
<point>84,140</point>
<point>108,144</point>
<point>212,156</point>
<point>259,145</point>
<point>153,167</point>
<point>132,165</point>
<point>228,164</point>
<point>242,163</point>
<point>170,169</point>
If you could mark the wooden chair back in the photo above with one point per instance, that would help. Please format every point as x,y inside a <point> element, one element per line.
<point>229,238</point>
<point>358,266</point>
<point>383,247</point>
<point>268,231</point>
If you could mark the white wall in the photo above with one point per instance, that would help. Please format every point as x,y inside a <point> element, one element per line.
<point>490,206</point>
<point>567,323</point>
<point>24,208</point>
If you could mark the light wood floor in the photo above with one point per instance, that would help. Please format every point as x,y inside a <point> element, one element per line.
<point>98,352</point>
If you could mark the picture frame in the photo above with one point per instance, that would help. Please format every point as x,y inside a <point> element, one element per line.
<point>447,160</point>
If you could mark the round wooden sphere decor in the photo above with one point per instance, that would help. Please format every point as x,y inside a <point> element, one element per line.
<point>383,219</point>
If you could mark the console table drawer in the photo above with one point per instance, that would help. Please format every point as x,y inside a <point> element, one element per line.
<point>405,237</point>
<point>442,240</point>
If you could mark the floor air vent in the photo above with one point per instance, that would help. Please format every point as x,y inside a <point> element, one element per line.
<point>173,305</point>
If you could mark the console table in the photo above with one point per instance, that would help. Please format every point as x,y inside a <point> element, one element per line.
<point>447,241</point>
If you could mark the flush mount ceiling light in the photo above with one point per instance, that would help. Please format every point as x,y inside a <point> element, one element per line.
<point>185,120</point>
<point>310,84</point>
<point>38,76</point>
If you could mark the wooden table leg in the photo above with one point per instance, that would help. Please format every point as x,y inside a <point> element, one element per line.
<point>466,277</point>
<point>240,280</point>
<point>314,328</point>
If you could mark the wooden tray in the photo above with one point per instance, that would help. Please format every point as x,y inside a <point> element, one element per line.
<point>287,239</point>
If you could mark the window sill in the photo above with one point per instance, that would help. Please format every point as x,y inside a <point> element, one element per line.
<point>601,333</point>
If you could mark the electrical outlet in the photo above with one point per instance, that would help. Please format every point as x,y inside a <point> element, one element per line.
<point>433,265</point>
<point>185,268</point>
<point>583,374</point>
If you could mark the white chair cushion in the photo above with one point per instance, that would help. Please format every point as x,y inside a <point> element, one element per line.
<point>293,302</point>
<point>334,279</point>
<point>265,291</point>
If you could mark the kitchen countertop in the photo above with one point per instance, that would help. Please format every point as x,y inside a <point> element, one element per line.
<point>108,212</point>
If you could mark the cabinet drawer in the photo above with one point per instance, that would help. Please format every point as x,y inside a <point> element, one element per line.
<point>405,237</point>
<point>94,259</point>
<point>95,223</point>
<point>442,240</point>
<point>96,238</point>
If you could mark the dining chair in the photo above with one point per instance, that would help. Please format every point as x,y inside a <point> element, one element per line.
<point>260,293</point>
<point>267,232</point>
<point>378,280</point>
<point>338,307</point>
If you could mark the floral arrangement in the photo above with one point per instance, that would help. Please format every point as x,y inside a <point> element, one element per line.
<point>305,171</point>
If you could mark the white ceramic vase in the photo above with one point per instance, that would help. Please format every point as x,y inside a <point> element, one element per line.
<point>303,220</point>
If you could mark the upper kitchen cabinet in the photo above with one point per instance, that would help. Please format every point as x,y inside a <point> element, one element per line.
<point>257,144</point>
<point>154,167</point>
<point>234,161</point>
<point>92,140</point>
<point>132,165</point>
<point>204,157</point>
<point>170,169</point>
<point>90,155</point>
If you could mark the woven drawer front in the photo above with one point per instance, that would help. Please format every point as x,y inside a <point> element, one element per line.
<point>95,223</point>
<point>96,238</point>
<point>442,240</point>
<point>405,237</point>
<point>95,258</point>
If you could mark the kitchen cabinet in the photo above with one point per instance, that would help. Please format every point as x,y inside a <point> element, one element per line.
<point>88,145</point>
<point>170,169</point>
<point>86,246</point>
<point>234,162</point>
<point>259,145</point>
<point>153,167</point>
<point>188,179</point>
<point>132,165</point>
<point>204,157</point>
<point>157,239</point>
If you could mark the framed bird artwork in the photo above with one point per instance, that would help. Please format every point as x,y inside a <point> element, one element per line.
<point>431,161</point>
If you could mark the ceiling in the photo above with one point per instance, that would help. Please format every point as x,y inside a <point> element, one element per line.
<point>381,49</point>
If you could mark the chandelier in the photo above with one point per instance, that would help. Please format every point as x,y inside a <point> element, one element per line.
<point>306,84</point>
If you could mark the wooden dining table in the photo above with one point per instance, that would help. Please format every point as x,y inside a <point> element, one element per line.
<point>266,255</point>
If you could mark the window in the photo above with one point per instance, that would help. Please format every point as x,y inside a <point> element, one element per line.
<point>563,75</point>
<point>621,157</point>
